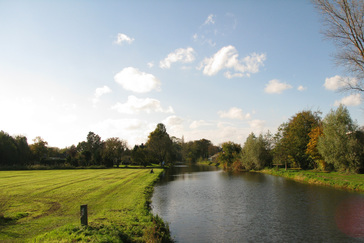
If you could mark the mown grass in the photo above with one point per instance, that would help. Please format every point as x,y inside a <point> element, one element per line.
<point>45,206</point>
<point>354,182</point>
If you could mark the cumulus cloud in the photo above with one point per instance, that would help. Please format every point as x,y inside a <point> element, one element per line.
<point>338,82</point>
<point>134,131</point>
<point>134,80</point>
<point>150,64</point>
<point>199,123</point>
<point>301,88</point>
<point>351,100</point>
<point>173,121</point>
<point>227,58</point>
<point>135,105</point>
<point>99,92</point>
<point>123,38</point>
<point>257,125</point>
<point>276,87</point>
<point>209,20</point>
<point>179,55</point>
<point>234,113</point>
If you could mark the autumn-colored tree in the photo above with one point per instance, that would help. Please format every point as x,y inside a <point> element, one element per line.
<point>230,152</point>
<point>293,138</point>
<point>312,150</point>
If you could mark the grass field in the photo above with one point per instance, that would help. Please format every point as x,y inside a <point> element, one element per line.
<point>354,182</point>
<point>45,205</point>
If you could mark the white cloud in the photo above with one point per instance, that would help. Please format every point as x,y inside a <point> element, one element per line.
<point>134,131</point>
<point>227,58</point>
<point>150,64</point>
<point>173,121</point>
<point>351,100</point>
<point>99,92</point>
<point>276,87</point>
<point>123,38</point>
<point>337,82</point>
<point>257,125</point>
<point>209,20</point>
<point>234,113</point>
<point>135,105</point>
<point>179,55</point>
<point>134,80</point>
<point>301,88</point>
<point>197,124</point>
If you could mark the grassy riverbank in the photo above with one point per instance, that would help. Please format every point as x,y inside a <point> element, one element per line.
<point>354,182</point>
<point>45,206</point>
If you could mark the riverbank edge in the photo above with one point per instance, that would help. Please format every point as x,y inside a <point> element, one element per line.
<point>319,178</point>
<point>159,232</point>
<point>311,177</point>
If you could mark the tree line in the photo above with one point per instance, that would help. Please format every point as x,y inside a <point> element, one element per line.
<point>305,141</point>
<point>15,152</point>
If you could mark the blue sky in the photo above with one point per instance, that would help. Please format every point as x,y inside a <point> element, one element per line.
<point>206,69</point>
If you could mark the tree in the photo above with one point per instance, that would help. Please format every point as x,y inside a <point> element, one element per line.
<point>339,145</point>
<point>8,150</point>
<point>159,144</point>
<point>229,154</point>
<point>255,153</point>
<point>140,155</point>
<point>312,149</point>
<point>112,151</point>
<point>344,21</point>
<point>294,138</point>
<point>94,146</point>
<point>39,149</point>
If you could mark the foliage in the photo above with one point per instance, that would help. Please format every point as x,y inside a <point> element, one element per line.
<point>230,152</point>
<point>344,21</point>
<point>202,149</point>
<point>312,149</point>
<point>159,144</point>
<point>354,182</point>
<point>292,139</point>
<point>39,149</point>
<point>255,153</point>
<point>339,145</point>
<point>140,155</point>
<point>14,151</point>
<point>112,151</point>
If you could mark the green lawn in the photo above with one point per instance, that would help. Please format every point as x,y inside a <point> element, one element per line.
<point>353,182</point>
<point>45,205</point>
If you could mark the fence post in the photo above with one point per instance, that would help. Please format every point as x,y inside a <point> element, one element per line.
<point>84,214</point>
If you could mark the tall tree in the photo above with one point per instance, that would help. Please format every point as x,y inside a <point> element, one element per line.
<point>255,153</point>
<point>295,138</point>
<point>39,149</point>
<point>230,152</point>
<point>312,149</point>
<point>345,23</point>
<point>112,151</point>
<point>159,144</point>
<point>94,146</point>
<point>339,144</point>
<point>8,150</point>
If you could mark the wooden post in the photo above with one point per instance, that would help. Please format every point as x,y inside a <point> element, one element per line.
<point>83,214</point>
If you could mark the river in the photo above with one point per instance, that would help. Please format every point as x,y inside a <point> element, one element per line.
<point>204,204</point>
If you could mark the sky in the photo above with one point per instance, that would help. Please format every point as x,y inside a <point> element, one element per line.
<point>217,70</point>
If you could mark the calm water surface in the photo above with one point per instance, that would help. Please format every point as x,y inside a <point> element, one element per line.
<point>203,204</point>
